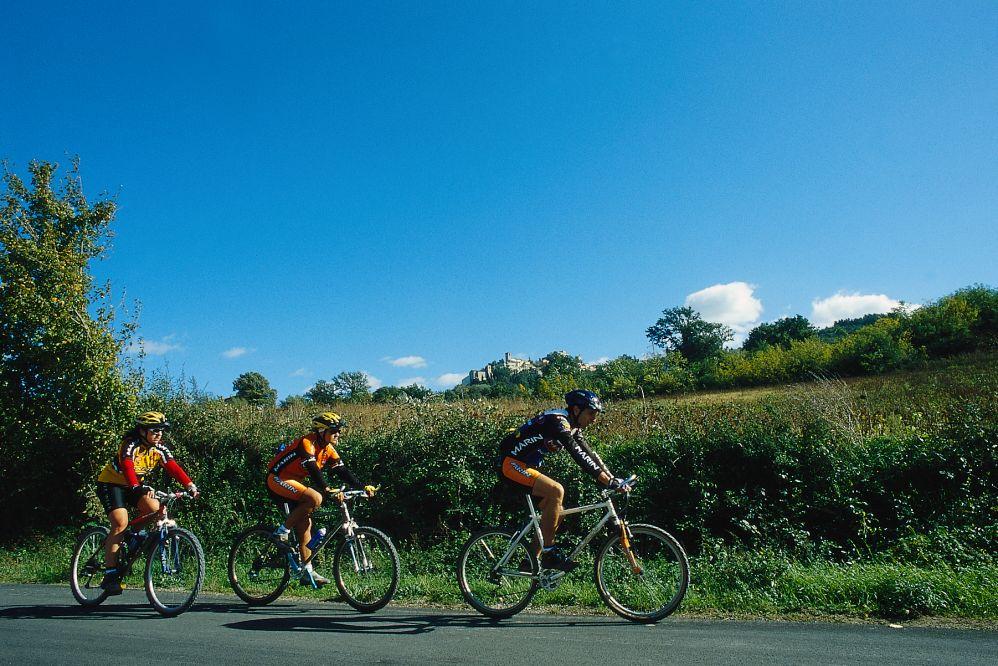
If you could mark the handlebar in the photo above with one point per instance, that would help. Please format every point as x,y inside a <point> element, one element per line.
<point>160,495</point>
<point>631,481</point>
<point>352,494</point>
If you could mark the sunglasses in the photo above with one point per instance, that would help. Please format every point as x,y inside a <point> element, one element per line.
<point>158,430</point>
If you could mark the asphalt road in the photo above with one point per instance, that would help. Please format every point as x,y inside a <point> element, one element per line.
<point>43,624</point>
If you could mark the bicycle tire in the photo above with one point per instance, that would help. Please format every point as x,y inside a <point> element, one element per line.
<point>258,570</point>
<point>86,564</point>
<point>484,586</point>
<point>366,569</point>
<point>172,586</point>
<point>657,590</point>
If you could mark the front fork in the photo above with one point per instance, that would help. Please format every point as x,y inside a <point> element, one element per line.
<point>625,544</point>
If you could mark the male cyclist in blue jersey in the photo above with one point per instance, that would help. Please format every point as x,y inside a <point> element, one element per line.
<point>522,451</point>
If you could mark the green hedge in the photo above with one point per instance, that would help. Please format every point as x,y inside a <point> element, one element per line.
<point>825,471</point>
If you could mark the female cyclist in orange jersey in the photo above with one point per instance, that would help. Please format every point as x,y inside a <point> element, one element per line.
<point>304,458</point>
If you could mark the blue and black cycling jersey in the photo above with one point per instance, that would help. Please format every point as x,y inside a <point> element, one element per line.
<point>549,432</point>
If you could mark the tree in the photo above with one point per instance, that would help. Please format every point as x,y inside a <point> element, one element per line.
<point>322,392</point>
<point>346,387</point>
<point>685,331</point>
<point>352,386</point>
<point>560,363</point>
<point>295,401</point>
<point>65,397</point>
<point>779,333</point>
<point>254,389</point>
<point>401,393</point>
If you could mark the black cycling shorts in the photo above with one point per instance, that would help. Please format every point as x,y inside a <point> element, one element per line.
<point>112,496</point>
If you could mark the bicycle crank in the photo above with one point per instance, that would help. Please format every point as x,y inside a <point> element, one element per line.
<point>549,579</point>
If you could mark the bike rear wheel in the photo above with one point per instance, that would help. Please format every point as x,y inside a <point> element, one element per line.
<point>258,568</point>
<point>366,569</point>
<point>174,571</point>
<point>494,585</point>
<point>87,566</point>
<point>651,587</point>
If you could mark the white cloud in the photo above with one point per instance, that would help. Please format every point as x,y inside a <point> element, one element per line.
<point>826,311</point>
<point>373,381</point>
<point>731,304</point>
<point>600,361</point>
<point>450,379</point>
<point>409,381</point>
<point>236,352</point>
<point>406,361</point>
<point>300,372</point>
<point>153,347</point>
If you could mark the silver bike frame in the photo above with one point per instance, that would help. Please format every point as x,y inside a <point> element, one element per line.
<point>535,523</point>
<point>347,526</point>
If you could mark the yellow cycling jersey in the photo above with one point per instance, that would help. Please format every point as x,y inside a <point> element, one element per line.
<point>143,457</point>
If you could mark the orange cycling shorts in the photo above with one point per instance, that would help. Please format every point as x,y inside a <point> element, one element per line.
<point>286,488</point>
<point>518,472</point>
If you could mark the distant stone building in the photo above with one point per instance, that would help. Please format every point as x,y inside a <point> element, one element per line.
<point>487,374</point>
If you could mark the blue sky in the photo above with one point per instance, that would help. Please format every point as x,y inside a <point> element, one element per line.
<point>412,189</point>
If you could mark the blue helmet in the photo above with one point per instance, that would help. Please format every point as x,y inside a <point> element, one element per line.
<point>583,398</point>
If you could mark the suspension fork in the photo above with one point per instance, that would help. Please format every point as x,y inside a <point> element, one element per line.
<point>625,541</point>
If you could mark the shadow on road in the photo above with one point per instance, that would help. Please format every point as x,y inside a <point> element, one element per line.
<point>116,612</point>
<point>293,617</point>
<point>387,622</point>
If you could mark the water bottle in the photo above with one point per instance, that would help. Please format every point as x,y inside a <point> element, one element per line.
<point>135,539</point>
<point>316,538</point>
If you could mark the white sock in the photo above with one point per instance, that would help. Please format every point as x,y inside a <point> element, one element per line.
<point>309,568</point>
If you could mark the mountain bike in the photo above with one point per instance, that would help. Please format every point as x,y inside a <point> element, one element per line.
<point>365,562</point>
<point>174,570</point>
<point>641,571</point>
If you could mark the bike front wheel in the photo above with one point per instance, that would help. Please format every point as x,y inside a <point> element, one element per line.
<point>649,587</point>
<point>366,569</point>
<point>258,568</point>
<point>87,566</point>
<point>496,576</point>
<point>174,571</point>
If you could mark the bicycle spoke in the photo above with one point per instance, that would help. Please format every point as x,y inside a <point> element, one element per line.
<point>489,582</point>
<point>258,569</point>
<point>366,569</point>
<point>650,586</point>
<point>87,567</point>
<point>174,572</point>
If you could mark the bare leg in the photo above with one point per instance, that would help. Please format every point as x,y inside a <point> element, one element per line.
<point>552,494</point>
<point>119,523</point>
<point>300,519</point>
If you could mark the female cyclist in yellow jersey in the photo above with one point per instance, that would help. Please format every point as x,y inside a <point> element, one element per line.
<point>119,485</point>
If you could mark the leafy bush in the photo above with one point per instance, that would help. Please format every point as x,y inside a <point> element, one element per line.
<point>873,349</point>
<point>945,327</point>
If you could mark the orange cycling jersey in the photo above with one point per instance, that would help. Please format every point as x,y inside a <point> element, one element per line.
<point>291,461</point>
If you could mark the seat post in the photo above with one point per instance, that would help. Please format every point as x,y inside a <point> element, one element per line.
<point>530,507</point>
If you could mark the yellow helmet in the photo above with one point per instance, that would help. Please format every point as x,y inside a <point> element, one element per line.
<point>329,421</point>
<point>152,420</point>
